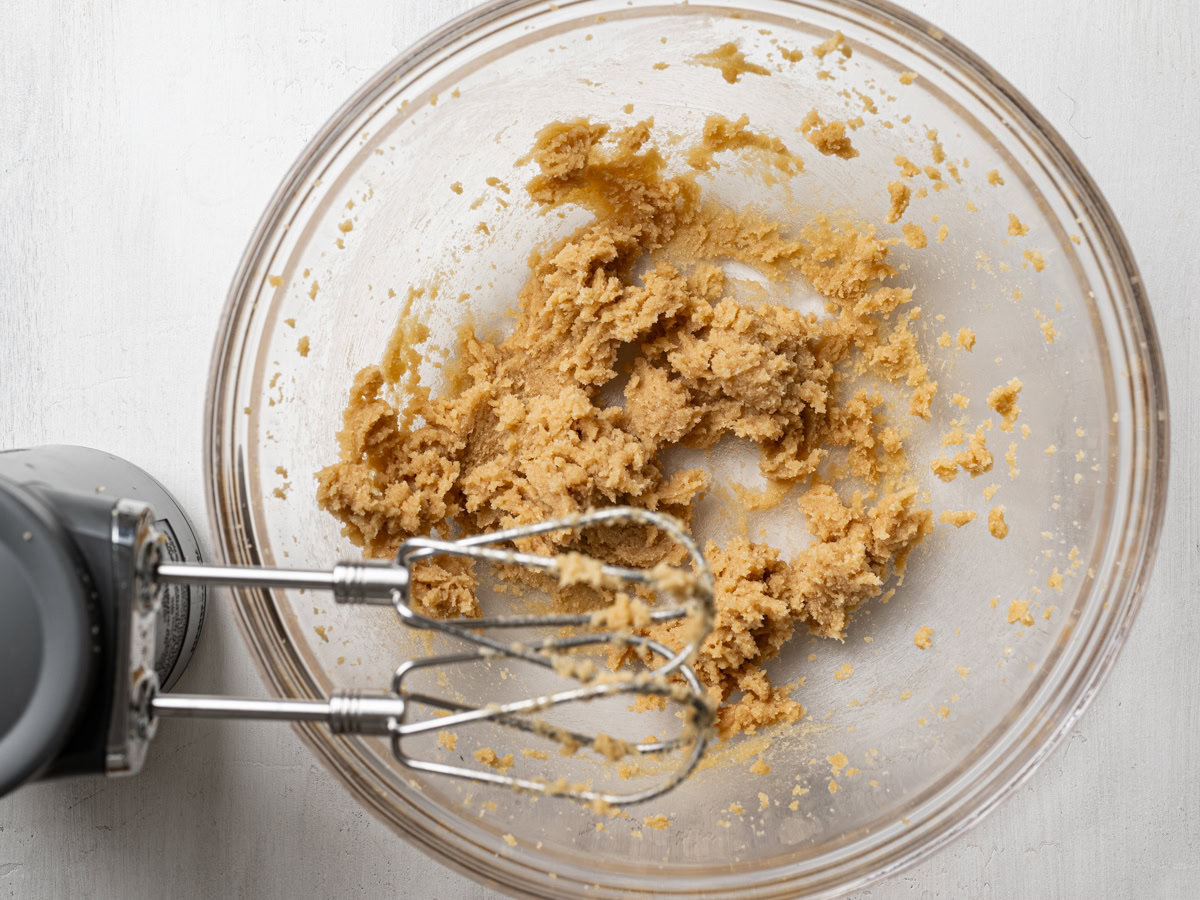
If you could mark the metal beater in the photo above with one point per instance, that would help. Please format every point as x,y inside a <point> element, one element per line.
<point>386,714</point>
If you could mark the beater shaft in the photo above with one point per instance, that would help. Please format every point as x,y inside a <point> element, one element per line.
<point>357,582</point>
<point>345,712</point>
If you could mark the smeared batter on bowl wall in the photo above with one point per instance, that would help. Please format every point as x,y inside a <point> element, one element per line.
<point>522,434</point>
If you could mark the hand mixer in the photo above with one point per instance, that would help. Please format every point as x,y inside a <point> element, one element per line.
<point>65,577</point>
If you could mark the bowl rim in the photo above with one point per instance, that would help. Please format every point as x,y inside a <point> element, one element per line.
<point>236,544</point>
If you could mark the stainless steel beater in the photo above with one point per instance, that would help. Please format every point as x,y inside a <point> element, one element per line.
<point>388,714</point>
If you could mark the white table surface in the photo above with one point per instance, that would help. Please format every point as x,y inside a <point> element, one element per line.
<point>140,140</point>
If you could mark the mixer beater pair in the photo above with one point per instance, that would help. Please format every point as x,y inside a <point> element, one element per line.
<point>389,714</point>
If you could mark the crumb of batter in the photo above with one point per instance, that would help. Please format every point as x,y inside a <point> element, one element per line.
<point>768,498</point>
<point>302,346</point>
<point>611,748</point>
<point>448,739</point>
<point>955,436</point>
<point>923,639</point>
<point>944,340</point>
<point>791,55</point>
<point>960,400</point>
<point>444,588</point>
<point>908,77</point>
<point>835,42</point>
<point>914,236</point>
<point>576,568</point>
<point>762,705</point>
<point>945,469</point>
<point>721,135</point>
<point>566,665</point>
<point>648,703</point>
<point>760,767</point>
<point>994,179</point>
<point>1011,458</point>
<point>828,137</point>
<point>958,518</point>
<point>489,757</point>
<point>401,359</point>
<point>837,762</point>
<point>521,434</point>
<point>996,524</point>
<point>1003,401</point>
<point>1049,333</point>
<point>1018,611</point>
<point>731,61</point>
<point>976,459</point>
<point>658,822</point>
<point>900,194</point>
<point>966,339</point>
<point>898,360</point>
<point>510,840</point>
<point>942,233</point>
<point>908,169</point>
<point>936,150</point>
<point>1015,228</point>
<point>625,612</point>
<point>1035,259</point>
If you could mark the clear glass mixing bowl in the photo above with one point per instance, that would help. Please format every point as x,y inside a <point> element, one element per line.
<point>461,107</point>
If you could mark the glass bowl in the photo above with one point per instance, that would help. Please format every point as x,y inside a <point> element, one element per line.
<point>939,736</point>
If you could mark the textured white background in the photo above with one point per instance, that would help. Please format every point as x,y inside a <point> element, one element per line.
<point>139,141</point>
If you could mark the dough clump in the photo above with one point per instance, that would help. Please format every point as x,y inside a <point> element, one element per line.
<point>527,427</point>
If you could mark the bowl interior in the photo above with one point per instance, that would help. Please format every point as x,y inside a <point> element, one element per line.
<point>420,164</point>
